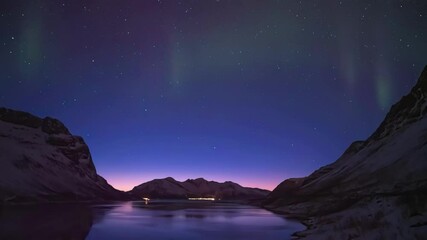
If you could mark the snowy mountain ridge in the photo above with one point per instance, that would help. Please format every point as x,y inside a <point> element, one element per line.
<point>41,161</point>
<point>376,190</point>
<point>169,188</point>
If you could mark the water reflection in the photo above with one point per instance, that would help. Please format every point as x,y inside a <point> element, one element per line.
<point>192,220</point>
<point>62,221</point>
<point>136,220</point>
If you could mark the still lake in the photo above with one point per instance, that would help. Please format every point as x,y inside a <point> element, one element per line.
<point>136,220</point>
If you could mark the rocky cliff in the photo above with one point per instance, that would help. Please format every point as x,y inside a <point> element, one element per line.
<point>41,161</point>
<point>376,190</point>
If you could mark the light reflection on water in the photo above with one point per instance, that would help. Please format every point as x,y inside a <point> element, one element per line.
<point>134,220</point>
<point>190,220</point>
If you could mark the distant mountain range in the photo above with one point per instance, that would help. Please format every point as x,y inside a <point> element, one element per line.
<point>169,188</point>
<point>376,190</point>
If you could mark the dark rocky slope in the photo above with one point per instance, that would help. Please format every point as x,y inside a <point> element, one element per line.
<point>169,188</point>
<point>376,190</point>
<point>41,161</point>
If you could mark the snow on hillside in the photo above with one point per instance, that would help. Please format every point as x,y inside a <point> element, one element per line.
<point>41,160</point>
<point>376,190</point>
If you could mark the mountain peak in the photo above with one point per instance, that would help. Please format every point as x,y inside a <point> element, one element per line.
<point>54,126</point>
<point>200,179</point>
<point>170,179</point>
<point>422,80</point>
<point>41,160</point>
<point>409,109</point>
<point>48,125</point>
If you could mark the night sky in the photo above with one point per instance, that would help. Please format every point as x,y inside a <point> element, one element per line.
<point>249,91</point>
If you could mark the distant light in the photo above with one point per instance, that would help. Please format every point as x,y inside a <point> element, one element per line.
<point>202,199</point>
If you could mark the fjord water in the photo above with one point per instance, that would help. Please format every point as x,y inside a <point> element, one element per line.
<point>137,220</point>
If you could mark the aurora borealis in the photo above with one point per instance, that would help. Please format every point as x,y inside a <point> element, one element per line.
<point>247,91</point>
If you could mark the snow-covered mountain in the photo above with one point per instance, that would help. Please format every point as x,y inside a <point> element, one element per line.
<point>41,161</point>
<point>169,188</point>
<point>376,190</point>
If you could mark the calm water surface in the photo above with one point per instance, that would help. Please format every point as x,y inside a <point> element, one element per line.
<point>136,220</point>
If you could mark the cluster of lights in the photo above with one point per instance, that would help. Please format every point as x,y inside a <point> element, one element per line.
<point>202,199</point>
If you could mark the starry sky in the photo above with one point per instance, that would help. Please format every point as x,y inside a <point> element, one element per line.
<point>248,91</point>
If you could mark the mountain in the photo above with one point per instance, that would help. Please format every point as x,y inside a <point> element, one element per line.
<point>41,161</point>
<point>169,188</point>
<point>376,190</point>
